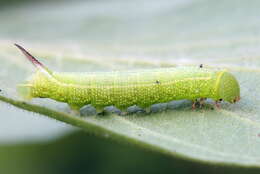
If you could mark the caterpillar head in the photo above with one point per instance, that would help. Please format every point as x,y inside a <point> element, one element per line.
<point>228,88</point>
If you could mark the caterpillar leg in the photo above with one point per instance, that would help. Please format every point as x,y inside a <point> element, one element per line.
<point>87,110</point>
<point>217,104</point>
<point>194,104</point>
<point>202,102</point>
<point>193,107</point>
<point>113,110</point>
<point>133,109</point>
<point>198,103</point>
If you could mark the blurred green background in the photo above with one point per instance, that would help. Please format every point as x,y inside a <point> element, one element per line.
<point>33,144</point>
<point>81,153</point>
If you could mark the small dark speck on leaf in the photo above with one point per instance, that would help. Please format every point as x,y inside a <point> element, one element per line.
<point>157,81</point>
<point>201,65</point>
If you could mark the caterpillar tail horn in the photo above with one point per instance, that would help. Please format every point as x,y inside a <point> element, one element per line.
<point>32,59</point>
<point>25,89</point>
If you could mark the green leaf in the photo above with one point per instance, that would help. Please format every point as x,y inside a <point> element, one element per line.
<point>131,36</point>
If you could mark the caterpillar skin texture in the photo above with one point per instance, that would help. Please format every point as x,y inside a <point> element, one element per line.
<point>126,88</point>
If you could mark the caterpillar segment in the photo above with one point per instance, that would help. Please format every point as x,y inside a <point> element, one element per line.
<point>127,88</point>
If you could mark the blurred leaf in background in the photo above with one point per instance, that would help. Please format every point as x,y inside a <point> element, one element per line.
<point>118,35</point>
<point>78,153</point>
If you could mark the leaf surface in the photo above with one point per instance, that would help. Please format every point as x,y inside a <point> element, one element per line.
<point>103,36</point>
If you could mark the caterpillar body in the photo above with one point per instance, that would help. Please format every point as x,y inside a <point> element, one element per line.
<point>126,88</point>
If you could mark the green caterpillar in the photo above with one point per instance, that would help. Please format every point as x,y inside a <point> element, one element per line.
<point>127,88</point>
